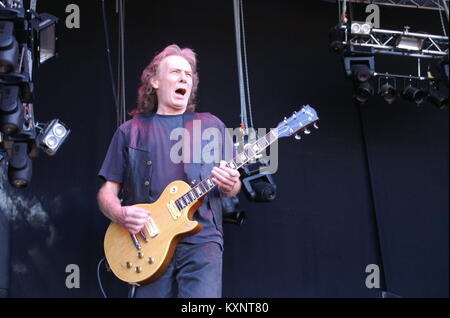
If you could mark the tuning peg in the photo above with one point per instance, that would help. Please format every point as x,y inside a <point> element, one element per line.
<point>285,120</point>
<point>306,131</point>
<point>316,126</point>
<point>294,115</point>
<point>298,137</point>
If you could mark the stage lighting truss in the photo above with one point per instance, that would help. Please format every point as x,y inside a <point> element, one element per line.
<point>416,4</point>
<point>405,43</point>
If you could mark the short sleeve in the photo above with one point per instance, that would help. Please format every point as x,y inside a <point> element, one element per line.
<point>114,165</point>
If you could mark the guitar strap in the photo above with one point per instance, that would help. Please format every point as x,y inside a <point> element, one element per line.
<point>188,140</point>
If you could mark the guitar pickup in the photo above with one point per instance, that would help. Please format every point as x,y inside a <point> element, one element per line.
<point>151,227</point>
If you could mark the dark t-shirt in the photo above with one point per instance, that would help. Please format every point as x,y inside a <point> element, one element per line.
<point>164,170</point>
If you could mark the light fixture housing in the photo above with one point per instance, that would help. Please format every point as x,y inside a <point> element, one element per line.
<point>53,136</point>
<point>46,34</point>
<point>414,94</point>
<point>409,43</point>
<point>11,110</point>
<point>388,92</point>
<point>360,28</point>
<point>9,48</point>
<point>20,166</point>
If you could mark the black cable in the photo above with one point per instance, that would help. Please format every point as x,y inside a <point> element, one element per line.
<point>108,53</point>
<point>98,278</point>
<point>376,221</point>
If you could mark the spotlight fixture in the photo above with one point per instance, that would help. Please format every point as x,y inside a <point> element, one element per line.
<point>20,166</point>
<point>360,70</point>
<point>363,91</point>
<point>45,29</point>
<point>9,48</point>
<point>53,136</point>
<point>231,212</point>
<point>360,28</point>
<point>388,92</point>
<point>336,38</point>
<point>444,69</point>
<point>405,41</point>
<point>438,98</point>
<point>11,110</point>
<point>258,187</point>
<point>414,94</point>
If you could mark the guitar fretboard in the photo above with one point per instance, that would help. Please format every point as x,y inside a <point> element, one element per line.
<point>249,153</point>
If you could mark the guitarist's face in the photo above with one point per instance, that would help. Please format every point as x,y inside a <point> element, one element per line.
<point>173,85</point>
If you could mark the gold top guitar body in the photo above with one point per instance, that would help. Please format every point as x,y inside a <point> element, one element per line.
<point>144,257</point>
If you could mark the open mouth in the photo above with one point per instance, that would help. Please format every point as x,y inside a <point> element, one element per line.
<point>180,91</point>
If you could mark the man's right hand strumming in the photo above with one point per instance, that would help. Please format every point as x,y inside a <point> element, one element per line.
<point>132,218</point>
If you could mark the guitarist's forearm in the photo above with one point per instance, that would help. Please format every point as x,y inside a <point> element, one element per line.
<point>109,204</point>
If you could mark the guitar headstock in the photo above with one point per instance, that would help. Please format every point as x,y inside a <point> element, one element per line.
<point>299,121</point>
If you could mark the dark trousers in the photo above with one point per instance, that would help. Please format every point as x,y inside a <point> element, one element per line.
<point>194,272</point>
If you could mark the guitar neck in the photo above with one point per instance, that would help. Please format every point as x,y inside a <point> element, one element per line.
<point>249,153</point>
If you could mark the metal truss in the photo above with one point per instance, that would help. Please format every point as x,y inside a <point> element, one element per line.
<point>382,41</point>
<point>418,4</point>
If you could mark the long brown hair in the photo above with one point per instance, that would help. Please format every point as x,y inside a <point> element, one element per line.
<point>147,100</point>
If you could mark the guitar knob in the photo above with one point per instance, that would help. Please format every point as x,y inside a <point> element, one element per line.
<point>307,132</point>
<point>150,260</point>
<point>128,264</point>
<point>138,269</point>
<point>141,255</point>
<point>316,126</point>
<point>298,137</point>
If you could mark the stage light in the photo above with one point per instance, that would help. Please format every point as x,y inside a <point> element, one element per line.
<point>409,43</point>
<point>360,28</point>
<point>363,91</point>
<point>20,166</point>
<point>336,38</point>
<point>414,94</point>
<point>9,48</point>
<point>438,98</point>
<point>53,136</point>
<point>45,28</point>
<point>231,212</point>
<point>361,72</point>
<point>257,186</point>
<point>388,92</point>
<point>11,110</point>
<point>444,69</point>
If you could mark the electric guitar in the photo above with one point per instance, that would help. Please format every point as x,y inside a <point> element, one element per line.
<point>142,258</point>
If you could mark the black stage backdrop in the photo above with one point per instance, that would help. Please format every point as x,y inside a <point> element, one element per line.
<point>370,187</point>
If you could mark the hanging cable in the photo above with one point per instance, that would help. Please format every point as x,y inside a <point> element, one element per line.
<point>237,26</point>
<point>121,98</point>
<point>100,285</point>
<point>108,54</point>
<point>246,67</point>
